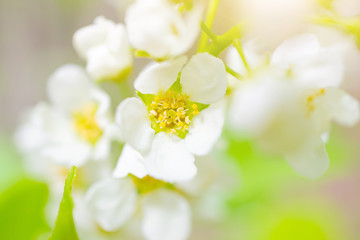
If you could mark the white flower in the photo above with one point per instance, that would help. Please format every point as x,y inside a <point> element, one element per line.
<point>76,126</point>
<point>33,138</point>
<point>169,126</point>
<point>106,49</point>
<point>165,213</point>
<point>160,29</point>
<point>290,105</point>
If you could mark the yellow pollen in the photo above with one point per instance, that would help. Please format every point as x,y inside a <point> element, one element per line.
<point>172,112</point>
<point>85,124</point>
<point>162,124</point>
<point>152,112</point>
<point>310,101</point>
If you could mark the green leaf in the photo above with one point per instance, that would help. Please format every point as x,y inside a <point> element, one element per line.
<point>146,98</point>
<point>64,225</point>
<point>22,211</point>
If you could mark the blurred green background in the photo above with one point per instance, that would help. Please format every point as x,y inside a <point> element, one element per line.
<point>270,203</point>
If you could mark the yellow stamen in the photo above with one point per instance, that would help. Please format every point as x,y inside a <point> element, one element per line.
<point>85,124</point>
<point>172,112</point>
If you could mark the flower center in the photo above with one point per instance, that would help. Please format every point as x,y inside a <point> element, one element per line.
<point>310,100</point>
<point>148,184</point>
<point>172,112</point>
<point>86,125</point>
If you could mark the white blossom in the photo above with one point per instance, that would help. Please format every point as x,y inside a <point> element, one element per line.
<point>170,128</point>
<point>290,104</point>
<point>165,213</point>
<point>105,47</point>
<point>160,29</point>
<point>75,126</point>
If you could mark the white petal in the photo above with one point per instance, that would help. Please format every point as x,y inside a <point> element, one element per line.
<point>205,130</point>
<point>159,76</point>
<point>204,79</point>
<point>311,159</point>
<point>255,103</point>
<point>148,25</point>
<point>130,161</point>
<point>101,150</point>
<point>131,116</point>
<point>169,159</point>
<point>105,47</point>
<point>323,71</point>
<point>102,100</point>
<point>295,50</point>
<point>68,152</point>
<point>189,31</point>
<point>87,37</point>
<point>31,136</point>
<point>342,107</point>
<point>112,202</point>
<point>69,87</point>
<point>166,215</point>
<point>158,28</point>
<point>252,55</point>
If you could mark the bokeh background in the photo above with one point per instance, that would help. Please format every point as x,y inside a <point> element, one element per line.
<point>265,199</point>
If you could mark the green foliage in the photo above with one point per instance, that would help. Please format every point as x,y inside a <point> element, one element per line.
<point>297,229</point>
<point>11,169</point>
<point>22,211</point>
<point>64,225</point>
<point>267,204</point>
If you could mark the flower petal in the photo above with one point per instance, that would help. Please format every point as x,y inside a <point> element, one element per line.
<point>68,151</point>
<point>158,27</point>
<point>295,50</point>
<point>32,136</point>
<point>256,102</point>
<point>130,161</point>
<point>311,159</point>
<point>112,202</point>
<point>93,35</point>
<point>166,215</point>
<point>326,70</point>
<point>159,76</point>
<point>344,108</point>
<point>169,159</point>
<point>102,149</point>
<point>69,87</point>
<point>204,79</point>
<point>205,130</point>
<point>131,116</point>
<point>252,54</point>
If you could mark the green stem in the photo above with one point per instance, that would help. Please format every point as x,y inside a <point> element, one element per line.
<point>232,72</point>
<point>238,46</point>
<point>209,20</point>
<point>207,31</point>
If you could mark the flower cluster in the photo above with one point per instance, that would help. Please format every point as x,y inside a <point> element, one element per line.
<point>287,100</point>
